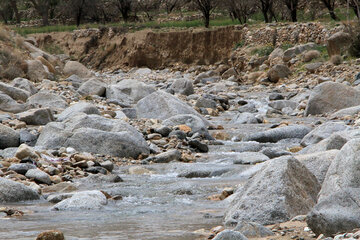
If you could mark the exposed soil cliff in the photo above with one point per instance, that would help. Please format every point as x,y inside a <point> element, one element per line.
<point>113,48</point>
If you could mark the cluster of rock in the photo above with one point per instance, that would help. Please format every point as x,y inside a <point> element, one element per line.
<point>53,132</point>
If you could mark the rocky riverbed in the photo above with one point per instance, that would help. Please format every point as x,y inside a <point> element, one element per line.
<point>214,152</point>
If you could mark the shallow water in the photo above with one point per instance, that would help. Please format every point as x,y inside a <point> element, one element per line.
<point>159,206</point>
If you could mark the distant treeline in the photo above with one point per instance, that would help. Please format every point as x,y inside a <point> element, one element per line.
<point>103,11</point>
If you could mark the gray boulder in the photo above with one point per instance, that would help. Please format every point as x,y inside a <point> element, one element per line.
<point>230,235</point>
<point>8,137</point>
<point>87,200</point>
<point>335,141</point>
<point>338,42</point>
<point>312,67</point>
<point>129,91</point>
<point>284,188</point>
<point>252,229</point>
<point>81,107</point>
<point>280,104</point>
<point>74,67</point>
<point>250,158</point>
<point>92,87</point>
<point>75,80</point>
<point>14,93</point>
<point>24,84</point>
<point>338,208</point>
<point>40,116</point>
<point>182,86</point>
<point>7,104</point>
<point>292,52</point>
<point>166,157</point>
<point>351,111</point>
<point>244,118</point>
<point>323,131</point>
<point>203,102</point>
<point>162,105</point>
<point>278,72</point>
<point>38,175</point>
<point>11,191</point>
<point>197,124</point>
<point>21,168</point>
<point>94,134</point>
<point>330,96</point>
<point>36,71</point>
<point>46,99</point>
<point>318,163</point>
<point>277,134</point>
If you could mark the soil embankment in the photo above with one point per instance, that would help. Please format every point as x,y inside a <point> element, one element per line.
<point>112,48</point>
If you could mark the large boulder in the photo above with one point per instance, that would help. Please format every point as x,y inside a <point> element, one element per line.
<point>129,91</point>
<point>338,42</point>
<point>278,72</point>
<point>182,86</point>
<point>292,52</point>
<point>338,208</point>
<point>8,137</point>
<point>81,107</point>
<point>92,87</point>
<point>277,134</point>
<point>46,99</point>
<point>197,124</point>
<point>245,118</point>
<point>40,116</point>
<point>14,93</point>
<point>346,112</point>
<point>7,104</point>
<point>38,175</point>
<point>162,105</point>
<point>318,163</point>
<point>323,131</point>
<point>87,200</point>
<point>284,188</point>
<point>36,71</point>
<point>74,67</point>
<point>330,96</point>
<point>94,134</point>
<point>11,191</point>
<point>230,235</point>
<point>24,84</point>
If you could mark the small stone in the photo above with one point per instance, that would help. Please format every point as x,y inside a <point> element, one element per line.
<point>108,165</point>
<point>199,146</point>
<point>38,176</point>
<point>51,235</point>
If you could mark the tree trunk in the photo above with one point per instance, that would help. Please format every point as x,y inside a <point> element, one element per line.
<point>78,17</point>
<point>16,10</point>
<point>207,19</point>
<point>266,18</point>
<point>333,15</point>
<point>294,15</point>
<point>45,17</point>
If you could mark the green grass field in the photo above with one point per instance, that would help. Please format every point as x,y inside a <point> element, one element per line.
<point>220,21</point>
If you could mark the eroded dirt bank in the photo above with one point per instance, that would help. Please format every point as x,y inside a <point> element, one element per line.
<point>112,48</point>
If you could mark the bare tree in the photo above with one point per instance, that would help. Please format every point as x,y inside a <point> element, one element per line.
<point>42,7</point>
<point>240,9</point>
<point>266,9</point>
<point>205,7</point>
<point>330,5</point>
<point>149,7</point>
<point>125,7</point>
<point>354,4</point>
<point>170,5</point>
<point>13,4</point>
<point>292,5</point>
